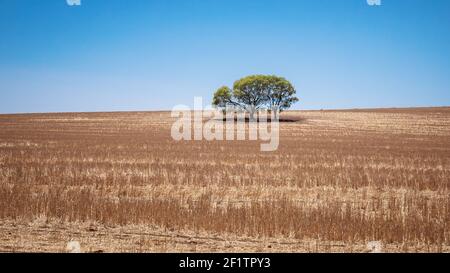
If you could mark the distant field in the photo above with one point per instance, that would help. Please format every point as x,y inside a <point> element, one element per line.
<point>117,182</point>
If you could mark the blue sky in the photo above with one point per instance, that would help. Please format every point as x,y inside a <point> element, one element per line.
<point>117,55</point>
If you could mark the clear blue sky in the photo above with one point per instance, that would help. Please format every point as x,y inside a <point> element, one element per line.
<point>115,55</point>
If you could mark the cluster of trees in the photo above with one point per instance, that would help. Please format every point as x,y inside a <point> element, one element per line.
<point>256,92</point>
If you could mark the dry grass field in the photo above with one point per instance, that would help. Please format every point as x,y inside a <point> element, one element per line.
<point>117,182</point>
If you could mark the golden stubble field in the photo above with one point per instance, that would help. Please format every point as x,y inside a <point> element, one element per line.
<point>117,182</point>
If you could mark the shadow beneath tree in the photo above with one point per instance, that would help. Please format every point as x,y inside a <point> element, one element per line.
<point>281,120</point>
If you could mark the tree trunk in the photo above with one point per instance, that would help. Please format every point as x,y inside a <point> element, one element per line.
<point>275,113</point>
<point>251,112</point>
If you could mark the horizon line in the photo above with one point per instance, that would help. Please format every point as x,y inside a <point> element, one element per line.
<point>291,110</point>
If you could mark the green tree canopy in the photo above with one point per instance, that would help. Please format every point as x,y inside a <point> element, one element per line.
<point>256,92</point>
<point>222,97</point>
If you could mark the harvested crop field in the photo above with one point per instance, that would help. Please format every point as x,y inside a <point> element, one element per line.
<point>118,182</point>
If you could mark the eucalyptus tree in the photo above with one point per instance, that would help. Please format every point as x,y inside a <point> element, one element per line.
<point>256,92</point>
